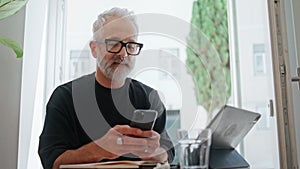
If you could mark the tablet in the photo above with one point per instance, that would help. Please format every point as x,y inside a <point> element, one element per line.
<point>230,126</point>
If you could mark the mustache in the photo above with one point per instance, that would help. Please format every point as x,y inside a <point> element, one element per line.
<point>120,60</point>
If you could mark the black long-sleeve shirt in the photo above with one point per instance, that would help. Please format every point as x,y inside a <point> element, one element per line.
<point>82,110</point>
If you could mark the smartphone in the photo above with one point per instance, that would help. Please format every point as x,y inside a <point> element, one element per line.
<point>143,119</point>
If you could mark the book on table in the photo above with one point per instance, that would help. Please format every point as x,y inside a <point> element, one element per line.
<point>112,164</point>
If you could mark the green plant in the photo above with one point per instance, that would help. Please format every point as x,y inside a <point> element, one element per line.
<point>8,8</point>
<point>208,53</point>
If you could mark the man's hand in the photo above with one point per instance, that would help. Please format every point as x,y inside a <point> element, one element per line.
<point>123,139</point>
<point>153,151</point>
<point>119,140</point>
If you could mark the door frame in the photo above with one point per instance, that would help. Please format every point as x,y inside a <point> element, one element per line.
<point>282,85</point>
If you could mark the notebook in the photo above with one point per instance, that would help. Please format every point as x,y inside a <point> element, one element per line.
<point>112,164</point>
<point>229,127</point>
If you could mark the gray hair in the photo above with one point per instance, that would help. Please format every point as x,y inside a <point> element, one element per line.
<point>114,12</point>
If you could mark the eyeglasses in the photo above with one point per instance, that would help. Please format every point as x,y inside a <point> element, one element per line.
<point>115,46</point>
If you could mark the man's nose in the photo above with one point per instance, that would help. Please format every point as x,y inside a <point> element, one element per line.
<point>123,52</point>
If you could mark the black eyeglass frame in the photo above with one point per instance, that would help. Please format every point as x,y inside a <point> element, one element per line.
<point>123,44</point>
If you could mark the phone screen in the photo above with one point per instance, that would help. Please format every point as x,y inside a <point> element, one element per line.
<point>143,119</point>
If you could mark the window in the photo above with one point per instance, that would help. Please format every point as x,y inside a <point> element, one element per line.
<point>154,67</point>
<point>80,61</point>
<point>72,61</point>
<point>251,44</point>
<point>170,64</point>
<point>259,59</point>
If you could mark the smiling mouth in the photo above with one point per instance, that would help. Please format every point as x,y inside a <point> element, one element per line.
<point>118,64</point>
<point>119,61</point>
<point>115,64</point>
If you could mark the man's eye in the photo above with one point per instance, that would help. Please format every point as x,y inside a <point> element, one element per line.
<point>113,44</point>
<point>132,46</point>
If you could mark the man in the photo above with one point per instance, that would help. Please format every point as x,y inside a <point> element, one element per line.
<point>77,132</point>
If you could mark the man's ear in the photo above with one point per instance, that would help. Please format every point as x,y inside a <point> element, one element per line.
<point>93,47</point>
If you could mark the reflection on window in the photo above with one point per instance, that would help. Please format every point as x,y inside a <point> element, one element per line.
<point>259,59</point>
<point>79,63</point>
<point>169,64</point>
<point>172,125</point>
<point>264,122</point>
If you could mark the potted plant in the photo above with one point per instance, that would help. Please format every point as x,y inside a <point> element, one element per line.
<point>8,8</point>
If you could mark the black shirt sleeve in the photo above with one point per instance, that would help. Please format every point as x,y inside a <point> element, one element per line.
<point>57,132</point>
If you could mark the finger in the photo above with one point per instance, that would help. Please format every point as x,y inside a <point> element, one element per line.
<point>127,130</point>
<point>150,153</point>
<point>127,140</point>
<point>153,143</point>
<point>148,133</point>
<point>141,155</point>
<point>151,134</point>
<point>134,148</point>
<point>149,150</point>
<point>144,154</point>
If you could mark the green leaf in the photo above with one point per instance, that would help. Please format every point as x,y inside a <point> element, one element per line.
<point>211,47</point>
<point>10,7</point>
<point>2,2</point>
<point>13,45</point>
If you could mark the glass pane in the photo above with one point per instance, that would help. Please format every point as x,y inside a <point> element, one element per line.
<point>251,54</point>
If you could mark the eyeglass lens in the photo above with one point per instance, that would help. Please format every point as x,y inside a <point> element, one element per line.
<point>116,46</point>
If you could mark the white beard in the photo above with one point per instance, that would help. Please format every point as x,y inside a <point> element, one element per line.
<point>116,73</point>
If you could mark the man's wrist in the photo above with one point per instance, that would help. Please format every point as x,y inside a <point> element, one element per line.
<point>96,152</point>
<point>90,152</point>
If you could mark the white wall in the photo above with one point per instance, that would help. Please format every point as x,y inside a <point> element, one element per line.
<point>10,87</point>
